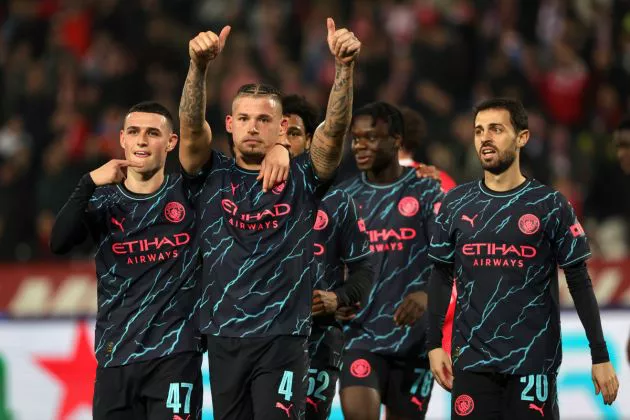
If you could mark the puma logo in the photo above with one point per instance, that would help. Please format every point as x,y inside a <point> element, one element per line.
<point>285,409</point>
<point>313,403</point>
<point>469,220</point>
<point>176,417</point>
<point>234,187</point>
<point>416,401</point>
<point>533,406</point>
<point>119,224</point>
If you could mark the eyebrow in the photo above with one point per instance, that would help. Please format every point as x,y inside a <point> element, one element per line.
<point>490,125</point>
<point>138,128</point>
<point>244,114</point>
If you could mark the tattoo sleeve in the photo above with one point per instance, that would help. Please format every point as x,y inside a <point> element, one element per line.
<point>195,132</point>
<point>327,142</point>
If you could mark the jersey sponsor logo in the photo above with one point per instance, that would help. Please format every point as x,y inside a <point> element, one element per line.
<point>382,240</point>
<point>266,219</point>
<point>360,368</point>
<point>234,187</point>
<point>319,249</point>
<point>321,221</point>
<point>287,410</point>
<point>466,218</point>
<point>361,224</point>
<point>464,405</point>
<point>174,212</point>
<point>503,255</point>
<point>156,249</point>
<point>577,230</point>
<point>529,224</point>
<point>540,409</point>
<point>408,206</point>
<point>277,190</point>
<point>119,224</point>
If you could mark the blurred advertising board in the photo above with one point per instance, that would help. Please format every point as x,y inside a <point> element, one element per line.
<point>47,371</point>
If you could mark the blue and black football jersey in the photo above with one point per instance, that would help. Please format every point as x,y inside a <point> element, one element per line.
<point>506,248</point>
<point>257,250</point>
<point>340,238</point>
<point>397,218</point>
<point>148,272</point>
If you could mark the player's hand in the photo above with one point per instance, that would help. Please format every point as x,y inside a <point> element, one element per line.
<point>113,172</point>
<point>324,302</point>
<point>442,368</point>
<point>605,381</point>
<point>411,308</point>
<point>342,43</point>
<point>275,167</point>
<point>206,46</point>
<point>347,313</point>
<point>428,171</point>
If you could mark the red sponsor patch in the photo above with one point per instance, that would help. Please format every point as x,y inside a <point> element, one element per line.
<point>174,212</point>
<point>529,224</point>
<point>321,221</point>
<point>408,206</point>
<point>360,368</point>
<point>464,405</point>
<point>577,230</point>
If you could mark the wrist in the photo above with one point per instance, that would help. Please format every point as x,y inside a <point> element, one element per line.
<point>285,145</point>
<point>200,67</point>
<point>344,66</point>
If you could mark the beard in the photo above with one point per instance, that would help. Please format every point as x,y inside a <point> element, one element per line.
<point>503,161</point>
<point>252,154</point>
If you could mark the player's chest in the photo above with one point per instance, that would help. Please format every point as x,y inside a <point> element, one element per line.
<point>498,230</point>
<point>146,232</point>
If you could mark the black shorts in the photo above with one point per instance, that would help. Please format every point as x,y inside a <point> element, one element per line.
<point>168,388</point>
<point>404,384</point>
<point>499,396</point>
<point>258,378</point>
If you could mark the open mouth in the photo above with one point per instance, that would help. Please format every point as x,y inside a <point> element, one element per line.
<point>142,155</point>
<point>488,151</point>
<point>363,158</point>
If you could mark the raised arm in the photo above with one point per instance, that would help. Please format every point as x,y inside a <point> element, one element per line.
<point>327,144</point>
<point>195,133</point>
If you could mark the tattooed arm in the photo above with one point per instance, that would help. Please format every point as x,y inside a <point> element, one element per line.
<point>195,133</point>
<point>327,143</point>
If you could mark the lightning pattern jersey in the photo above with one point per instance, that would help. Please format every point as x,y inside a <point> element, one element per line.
<point>397,218</point>
<point>148,272</point>
<point>340,238</point>
<point>506,248</point>
<point>257,250</point>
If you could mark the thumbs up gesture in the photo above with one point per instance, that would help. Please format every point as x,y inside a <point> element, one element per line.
<point>206,46</point>
<point>342,43</point>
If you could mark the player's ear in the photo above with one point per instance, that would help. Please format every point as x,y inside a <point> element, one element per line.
<point>284,125</point>
<point>172,142</point>
<point>309,138</point>
<point>398,141</point>
<point>122,138</point>
<point>522,138</point>
<point>228,123</point>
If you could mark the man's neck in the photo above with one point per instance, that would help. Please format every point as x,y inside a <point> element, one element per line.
<point>386,175</point>
<point>504,181</point>
<point>141,183</point>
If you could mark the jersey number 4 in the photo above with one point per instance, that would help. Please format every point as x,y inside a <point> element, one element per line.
<point>174,391</point>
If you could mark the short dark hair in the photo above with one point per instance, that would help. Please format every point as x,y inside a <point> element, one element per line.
<point>298,105</point>
<point>518,115</point>
<point>385,112</point>
<point>415,129</point>
<point>152,107</point>
<point>259,89</point>
<point>624,124</point>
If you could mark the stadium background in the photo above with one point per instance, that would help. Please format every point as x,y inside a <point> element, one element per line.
<point>70,68</point>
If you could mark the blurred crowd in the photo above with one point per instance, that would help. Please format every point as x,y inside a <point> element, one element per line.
<point>70,68</point>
